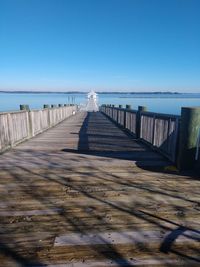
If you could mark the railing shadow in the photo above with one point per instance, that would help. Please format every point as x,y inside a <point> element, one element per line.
<point>99,137</point>
<point>80,207</point>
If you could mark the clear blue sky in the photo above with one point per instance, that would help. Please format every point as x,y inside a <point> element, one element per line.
<point>137,45</point>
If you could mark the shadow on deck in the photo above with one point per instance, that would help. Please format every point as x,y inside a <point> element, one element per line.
<point>83,201</point>
<point>100,137</point>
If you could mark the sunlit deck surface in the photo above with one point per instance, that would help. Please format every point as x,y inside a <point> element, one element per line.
<point>84,193</point>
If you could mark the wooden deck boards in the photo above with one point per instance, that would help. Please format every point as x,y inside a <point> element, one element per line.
<point>86,194</point>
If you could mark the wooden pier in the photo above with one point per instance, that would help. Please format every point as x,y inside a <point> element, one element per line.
<point>85,193</point>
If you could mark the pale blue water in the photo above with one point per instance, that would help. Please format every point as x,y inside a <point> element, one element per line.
<point>163,103</point>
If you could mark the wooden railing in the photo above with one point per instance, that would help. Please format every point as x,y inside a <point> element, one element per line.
<point>123,117</point>
<point>160,131</point>
<point>18,126</point>
<point>157,130</point>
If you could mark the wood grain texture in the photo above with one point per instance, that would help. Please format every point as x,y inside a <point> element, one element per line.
<point>86,178</point>
<point>156,129</point>
<point>15,127</point>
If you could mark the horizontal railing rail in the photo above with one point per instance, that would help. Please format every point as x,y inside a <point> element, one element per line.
<point>17,126</point>
<point>155,129</point>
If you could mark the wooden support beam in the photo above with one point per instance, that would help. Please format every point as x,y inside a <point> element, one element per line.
<point>189,127</point>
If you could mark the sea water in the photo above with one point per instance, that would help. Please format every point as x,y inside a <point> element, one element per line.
<point>159,102</point>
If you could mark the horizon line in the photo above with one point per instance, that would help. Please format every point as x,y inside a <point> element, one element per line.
<point>99,92</point>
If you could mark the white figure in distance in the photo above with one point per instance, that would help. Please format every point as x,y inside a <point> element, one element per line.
<point>92,102</point>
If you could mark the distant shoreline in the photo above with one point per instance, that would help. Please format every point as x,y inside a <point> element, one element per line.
<point>81,92</point>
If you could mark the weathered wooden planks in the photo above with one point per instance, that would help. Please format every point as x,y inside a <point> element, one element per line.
<point>156,129</point>
<point>83,178</point>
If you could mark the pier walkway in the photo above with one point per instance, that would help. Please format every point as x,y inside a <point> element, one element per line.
<point>84,193</point>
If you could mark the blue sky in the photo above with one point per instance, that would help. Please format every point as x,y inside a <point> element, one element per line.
<point>120,45</point>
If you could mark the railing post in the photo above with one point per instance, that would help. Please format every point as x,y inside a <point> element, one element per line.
<point>109,110</point>
<point>10,132</point>
<point>24,107</point>
<point>119,115</point>
<point>138,120</point>
<point>154,128</point>
<point>124,124</point>
<point>45,106</point>
<point>127,120</point>
<point>31,123</point>
<point>29,119</point>
<point>113,109</point>
<point>190,122</point>
<point>127,107</point>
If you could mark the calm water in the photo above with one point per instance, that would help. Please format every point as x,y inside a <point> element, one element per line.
<point>163,103</point>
